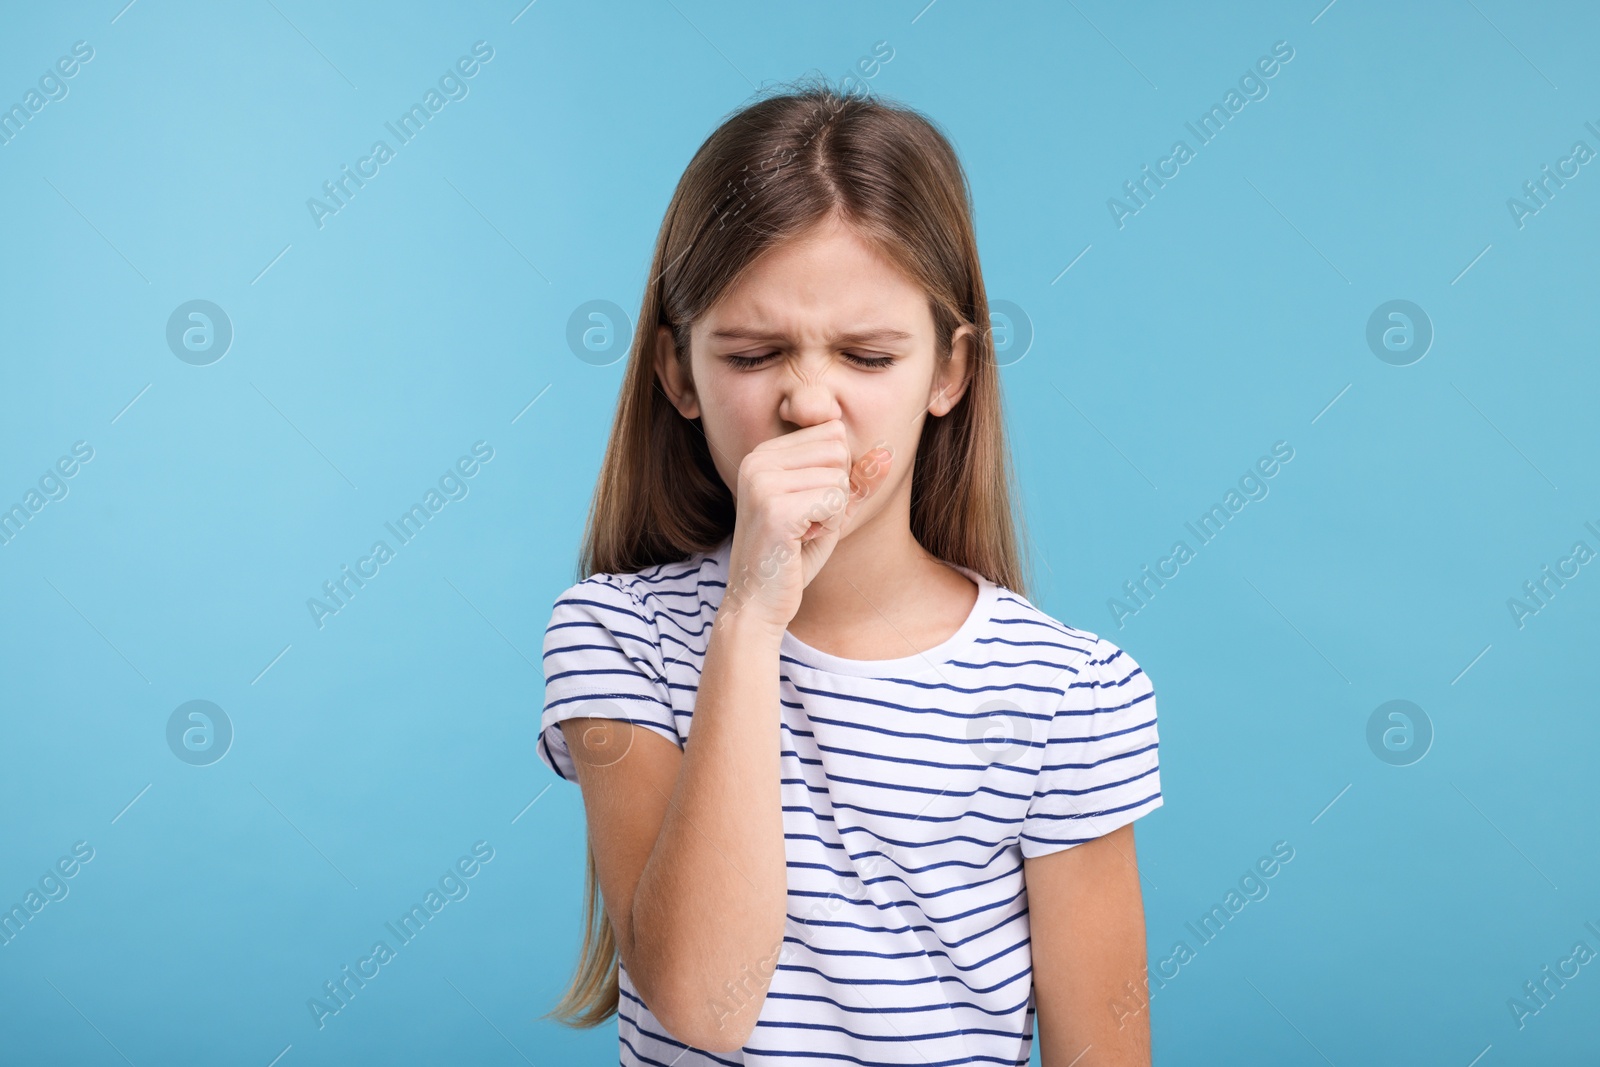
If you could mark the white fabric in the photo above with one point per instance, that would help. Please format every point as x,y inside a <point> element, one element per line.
<point>910,799</point>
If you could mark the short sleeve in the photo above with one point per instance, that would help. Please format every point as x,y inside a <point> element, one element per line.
<point>1100,769</point>
<point>602,658</point>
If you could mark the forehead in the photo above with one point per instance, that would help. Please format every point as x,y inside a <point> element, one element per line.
<point>827,281</point>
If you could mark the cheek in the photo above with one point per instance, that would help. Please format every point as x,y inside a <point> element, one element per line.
<point>885,414</point>
<point>734,422</point>
<point>736,397</point>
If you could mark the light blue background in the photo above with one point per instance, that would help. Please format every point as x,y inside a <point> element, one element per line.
<point>430,313</point>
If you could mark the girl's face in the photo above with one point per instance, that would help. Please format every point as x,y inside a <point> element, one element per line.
<point>820,327</point>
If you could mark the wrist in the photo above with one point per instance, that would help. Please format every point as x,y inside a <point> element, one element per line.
<point>745,627</point>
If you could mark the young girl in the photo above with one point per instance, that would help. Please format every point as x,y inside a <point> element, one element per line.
<point>851,798</point>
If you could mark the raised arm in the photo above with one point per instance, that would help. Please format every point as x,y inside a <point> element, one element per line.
<point>688,846</point>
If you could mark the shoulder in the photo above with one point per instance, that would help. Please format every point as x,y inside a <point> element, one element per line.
<point>600,597</point>
<point>1088,660</point>
<point>661,595</point>
<point>1020,620</point>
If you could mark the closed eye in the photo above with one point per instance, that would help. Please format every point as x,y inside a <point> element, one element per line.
<point>751,362</point>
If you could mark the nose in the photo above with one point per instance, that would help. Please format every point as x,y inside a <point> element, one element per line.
<point>808,396</point>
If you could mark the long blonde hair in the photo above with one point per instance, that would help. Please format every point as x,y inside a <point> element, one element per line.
<point>769,172</point>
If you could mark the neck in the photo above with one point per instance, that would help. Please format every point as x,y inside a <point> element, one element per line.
<point>868,573</point>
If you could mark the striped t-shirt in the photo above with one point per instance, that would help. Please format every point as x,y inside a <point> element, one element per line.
<point>912,789</point>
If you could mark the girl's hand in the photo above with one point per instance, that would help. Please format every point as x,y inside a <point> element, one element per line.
<point>796,497</point>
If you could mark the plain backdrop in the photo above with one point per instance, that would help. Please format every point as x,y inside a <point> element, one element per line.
<point>1148,366</point>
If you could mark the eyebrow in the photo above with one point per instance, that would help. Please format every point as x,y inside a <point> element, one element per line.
<point>756,333</point>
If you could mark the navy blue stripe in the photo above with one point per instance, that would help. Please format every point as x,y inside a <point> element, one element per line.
<point>1113,733</point>
<point>1008,664</point>
<point>654,701</point>
<point>909,870</point>
<point>840,805</point>
<point>663,1037</point>
<point>1095,788</point>
<point>584,601</point>
<point>927,894</point>
<point>934,1036</point>
<point>1031,644</point>
<point>912,927</point>
<point>641,675</point>
<point>1006,767</point>
<point>1026,972</point>
<point>1096,814</point>
<point>1039,839</point>
<point>1118,654</point>
<point>964,742</point>
<point>856,698</point>
<point>958,793</point>
<point>660,577</point>
<point>840,1057</point>
<point>549,757</point>
<point>867,928</point>
<point>844,830</point>
<point>938,1006</point>
<point>1098,762</point>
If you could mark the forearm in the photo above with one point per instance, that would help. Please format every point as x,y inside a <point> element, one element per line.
<point>710,905</point>
<point>1090,1018</point>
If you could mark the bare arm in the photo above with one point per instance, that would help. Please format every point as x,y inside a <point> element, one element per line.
<point>689,845</point>
<point>1086,916</point>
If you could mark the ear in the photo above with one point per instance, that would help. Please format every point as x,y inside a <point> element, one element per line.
<point>676,381</point>
<point>951,378</point>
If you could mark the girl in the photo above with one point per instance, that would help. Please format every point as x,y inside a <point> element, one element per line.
<point>851,798</point>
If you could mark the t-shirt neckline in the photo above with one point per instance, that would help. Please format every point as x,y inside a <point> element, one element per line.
<point>916,663</point>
